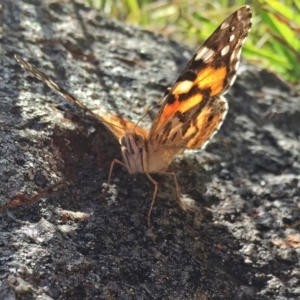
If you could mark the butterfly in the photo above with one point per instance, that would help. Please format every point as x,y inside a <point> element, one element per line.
<point>192,110</point>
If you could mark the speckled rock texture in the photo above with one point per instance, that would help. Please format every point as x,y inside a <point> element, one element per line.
<point>240,241</point>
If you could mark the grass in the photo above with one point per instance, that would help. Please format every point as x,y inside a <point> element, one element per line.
<point>274,41</point>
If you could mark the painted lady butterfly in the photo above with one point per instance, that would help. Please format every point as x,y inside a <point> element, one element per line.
<point>192,111</point>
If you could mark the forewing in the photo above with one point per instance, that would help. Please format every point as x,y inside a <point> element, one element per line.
<point>209,74</point>
<point>119,126</point>
<point>114,123</point>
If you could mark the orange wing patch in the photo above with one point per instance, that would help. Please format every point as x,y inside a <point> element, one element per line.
<point>212,79</point>
<point>186,95</point>
<point>119,126</point>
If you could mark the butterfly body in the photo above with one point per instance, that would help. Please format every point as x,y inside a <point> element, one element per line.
<point>134,152</point>
<point>140,155</point>
<point>192,110</point>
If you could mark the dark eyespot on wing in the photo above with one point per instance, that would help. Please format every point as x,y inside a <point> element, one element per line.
<point>189,75</point>
<point>174,136</point>
<point>167,128</point>
<point>195,90</point>
<point>171,98</point>
<point>209,119</point>
<point>185,128</point>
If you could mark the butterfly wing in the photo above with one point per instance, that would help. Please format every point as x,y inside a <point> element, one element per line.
<point>114,123</point>
<point>193,109</point>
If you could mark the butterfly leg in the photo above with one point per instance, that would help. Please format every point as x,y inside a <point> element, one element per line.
<point>153,197</point>
<point>112,165</point>
<point>182,204</point>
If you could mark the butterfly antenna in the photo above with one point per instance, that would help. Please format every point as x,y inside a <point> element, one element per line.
<point>151,109</point>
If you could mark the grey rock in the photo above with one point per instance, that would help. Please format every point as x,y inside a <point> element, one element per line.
<point>241,239</point>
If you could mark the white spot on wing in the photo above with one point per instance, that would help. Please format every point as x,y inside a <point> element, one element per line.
<point>224,25</point>
<point>225,50</point>
<point>232,57</point>
<point>235,55</point>
<point>232,80</point>
<point>243,41</point>
<point>231,38</point>
<point>205,54</point>
<point>237,65</point>
<point>239,53</point>
<point>182,87</point>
